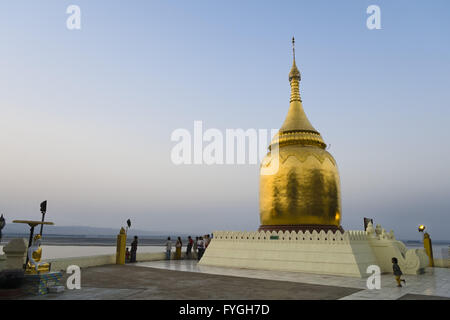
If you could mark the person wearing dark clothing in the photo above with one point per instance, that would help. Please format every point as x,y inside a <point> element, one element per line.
<point>397,272</point>
<point>133,249</point>
<point>2,225</point>
<point>178,247</point>
<point>196,248</point>
<point>168,248</point>
<point>189,247</point>
<point>127,255</point>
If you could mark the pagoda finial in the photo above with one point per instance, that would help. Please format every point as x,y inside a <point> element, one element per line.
<point>293,47</point>
<point>294,74</point>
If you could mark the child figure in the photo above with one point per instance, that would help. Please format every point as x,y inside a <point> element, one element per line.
<point>397,272</point>
<point>127,255</point>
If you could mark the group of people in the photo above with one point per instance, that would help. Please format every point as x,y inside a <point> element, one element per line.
<point>194,248</point>
<point>130,256</point>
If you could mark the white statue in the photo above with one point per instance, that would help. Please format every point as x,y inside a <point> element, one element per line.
<point>378,230</point>
<point>35,265</point>
<point>370,231</point>
<point>391,235</point>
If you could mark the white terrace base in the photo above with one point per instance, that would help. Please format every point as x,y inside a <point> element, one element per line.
<point>346,254</point>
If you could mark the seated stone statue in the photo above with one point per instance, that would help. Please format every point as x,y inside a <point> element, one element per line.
<point>34,258</point>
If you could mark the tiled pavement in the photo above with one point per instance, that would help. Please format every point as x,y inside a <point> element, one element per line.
<point>185,279</point>
<point>434,282</point>
<point>134,282</point>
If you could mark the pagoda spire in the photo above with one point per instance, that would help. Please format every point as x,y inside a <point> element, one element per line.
<point>294,77</point>
<point>293,48</point>
<point>296,119</point>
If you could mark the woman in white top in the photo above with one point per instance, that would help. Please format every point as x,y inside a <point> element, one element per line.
<point>200,248</point>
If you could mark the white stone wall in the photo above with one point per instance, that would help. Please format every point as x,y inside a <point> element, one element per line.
<point>346,254</point>
<point>61,264</point>
<point>442,263</point>
<point>99,260</point>
<point>385,247</point>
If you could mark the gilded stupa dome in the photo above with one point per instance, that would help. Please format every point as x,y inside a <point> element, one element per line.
<point>301,191</point>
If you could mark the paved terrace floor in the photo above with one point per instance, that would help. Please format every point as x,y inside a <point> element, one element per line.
<point>186,279</point>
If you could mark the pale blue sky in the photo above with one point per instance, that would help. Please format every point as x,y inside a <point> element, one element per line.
<point>86,115</point>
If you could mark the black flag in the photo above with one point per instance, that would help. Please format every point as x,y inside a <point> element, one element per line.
<point>44,206</point>
<point>43,211</point>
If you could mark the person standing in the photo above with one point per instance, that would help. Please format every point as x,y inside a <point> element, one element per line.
<point>189,247</point>
<point>207,240</point>
<point>201,248</point>
<point>168,248</point>
<point>2,225</point>
<point>196,248</point>
<point>133,252</point>
<point>178,247</point>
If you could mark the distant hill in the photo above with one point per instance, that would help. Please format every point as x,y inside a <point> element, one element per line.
<point>18,228</point>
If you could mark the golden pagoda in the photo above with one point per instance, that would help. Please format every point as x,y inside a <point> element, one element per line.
<point>304,192</point>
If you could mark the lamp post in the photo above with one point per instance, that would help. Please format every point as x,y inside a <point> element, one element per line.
<point>427,245</point>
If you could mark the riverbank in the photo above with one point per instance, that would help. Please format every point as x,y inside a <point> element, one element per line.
<point>60,252</point>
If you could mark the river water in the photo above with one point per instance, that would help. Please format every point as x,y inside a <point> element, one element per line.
<point>62,248</point>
